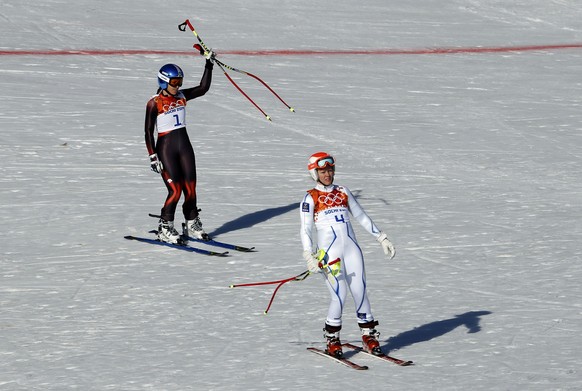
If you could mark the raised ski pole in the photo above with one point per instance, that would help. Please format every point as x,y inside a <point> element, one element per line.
<point>299,277</point>
<point>260,80</point>
<point>182,27</point>
<point>268,117</point>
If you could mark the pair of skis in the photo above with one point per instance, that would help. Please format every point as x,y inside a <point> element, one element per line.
<point>206,50</point>
<point>184,246</point>
<point>351,364</point>
<point>192,249</point>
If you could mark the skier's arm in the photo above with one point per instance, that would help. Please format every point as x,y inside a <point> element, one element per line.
<point>307,223</point>
<point>360,215</point>
<point>365,221</point>
<point>195,92</point>
<point>150,126</point>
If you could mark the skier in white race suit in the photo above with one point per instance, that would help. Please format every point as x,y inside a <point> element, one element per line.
<point>326,210</point>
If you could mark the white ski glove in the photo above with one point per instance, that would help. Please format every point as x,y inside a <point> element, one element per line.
<point>312,261</point>
<point>155,164</point>
<point>210,56</point>
<point>387,246</point>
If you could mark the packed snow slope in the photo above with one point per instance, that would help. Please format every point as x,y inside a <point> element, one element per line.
<point>469,158</point>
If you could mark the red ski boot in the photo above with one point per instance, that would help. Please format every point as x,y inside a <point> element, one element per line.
<point>370,338</point>
<point>334,346</point>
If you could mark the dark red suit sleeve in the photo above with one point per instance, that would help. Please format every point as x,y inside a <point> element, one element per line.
<point>195,92</point>
<point>150,125</point>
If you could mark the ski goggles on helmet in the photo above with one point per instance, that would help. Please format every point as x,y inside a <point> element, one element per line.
<point>176,82</point>
<point>322,163</point>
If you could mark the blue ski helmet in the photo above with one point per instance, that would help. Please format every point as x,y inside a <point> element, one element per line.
<point>167,72</point>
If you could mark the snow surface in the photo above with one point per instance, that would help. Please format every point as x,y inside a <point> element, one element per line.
<point>471,162</point>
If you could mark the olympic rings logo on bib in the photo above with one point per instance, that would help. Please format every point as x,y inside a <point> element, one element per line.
<point>330,199</point>
<point>173,105</point>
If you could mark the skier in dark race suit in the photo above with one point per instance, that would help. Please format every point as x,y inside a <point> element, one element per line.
<point>172,155</point>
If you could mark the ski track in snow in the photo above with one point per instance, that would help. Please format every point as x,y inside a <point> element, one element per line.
<point>469,160</point>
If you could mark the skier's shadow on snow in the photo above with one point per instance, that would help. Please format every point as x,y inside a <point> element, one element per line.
<point>253,218</point>
<point>260,216</point>
<point>436,329</point>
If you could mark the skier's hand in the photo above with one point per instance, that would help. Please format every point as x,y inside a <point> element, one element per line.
<point>155,164</point>
<point>312,261</point>
<point>387,245</point>
<point>210,56</point>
